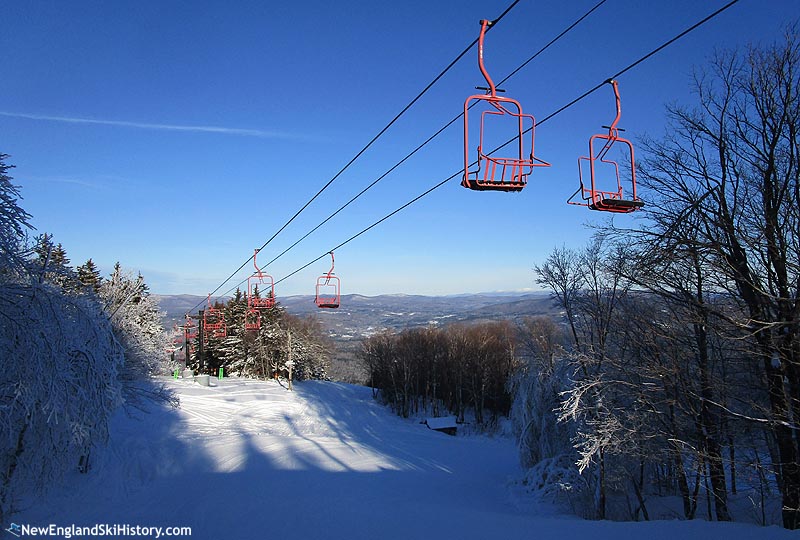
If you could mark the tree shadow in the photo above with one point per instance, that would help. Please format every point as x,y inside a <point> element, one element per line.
<point>354,471</point>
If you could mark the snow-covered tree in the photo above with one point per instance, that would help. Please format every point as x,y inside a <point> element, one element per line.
<point>310,349</point>
<point>137,322</point>
<point>69,356</point>
<point>537,384</point>
<point>231,352</point>
<point>262,352</point>
<point>13,221</point>
<point>58,387</point>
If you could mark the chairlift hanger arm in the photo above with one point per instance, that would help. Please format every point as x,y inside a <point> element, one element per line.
<point>612,129</point>
<point>485,24</point>
<point>330,272</point>
<point>258,270</point>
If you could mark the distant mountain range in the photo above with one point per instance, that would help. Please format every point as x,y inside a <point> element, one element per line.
<point>360,316</point>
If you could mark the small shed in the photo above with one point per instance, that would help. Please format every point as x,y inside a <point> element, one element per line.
<point>445,424</point>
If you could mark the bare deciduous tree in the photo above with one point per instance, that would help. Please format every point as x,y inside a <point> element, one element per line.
<point>724,223</point>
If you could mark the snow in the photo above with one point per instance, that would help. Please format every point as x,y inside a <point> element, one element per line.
<point>246,459</point>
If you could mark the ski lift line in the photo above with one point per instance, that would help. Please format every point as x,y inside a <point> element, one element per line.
<point>623,71</point>
<point>370,186</point>
<point>642,59</point>
<point>363,231</point>
<point>358,155</point>
<point>348,204</point>
<point>545,119</point>
<point>443,128</point>
<point>558,111</point>
<point>551,42</point>
<point>382,131</point>
<point>673,40</point>
<point>384,218</point>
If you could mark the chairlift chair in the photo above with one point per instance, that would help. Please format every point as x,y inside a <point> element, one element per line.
<point>189,329</point>
<point>252,319</point>
<point>177,340</point>
<point>214,322</point>
<point>327,295</point>
<point>600,194</point>
<point>260,288</point>
<point>498,173</point>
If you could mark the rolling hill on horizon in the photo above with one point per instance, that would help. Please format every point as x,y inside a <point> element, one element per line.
<point>360,316</point>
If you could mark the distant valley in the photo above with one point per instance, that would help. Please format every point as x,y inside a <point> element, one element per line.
<point>362,316</point>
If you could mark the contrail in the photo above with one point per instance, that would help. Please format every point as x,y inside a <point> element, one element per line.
<point>143,125</point>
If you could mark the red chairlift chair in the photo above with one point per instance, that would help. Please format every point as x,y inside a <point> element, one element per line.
<point>178,339</point>
<point>594,196</point>
<point>214,322</point>
<point>328,289</point>
<point>189,329</point>
<point>260,289</point>
<point>252,319</point>
<point>498,173</point>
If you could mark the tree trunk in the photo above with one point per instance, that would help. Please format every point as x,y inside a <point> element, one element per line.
<point>787,468</point>
<point>637,488</point>
<point>683,485</point>
<point>708,423</point>
<point>732,460</point>
<point>9,472</point>
<point>601,488</point>
<point>697,473</point>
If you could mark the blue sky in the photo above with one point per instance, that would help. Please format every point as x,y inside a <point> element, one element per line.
<point>176,137</point>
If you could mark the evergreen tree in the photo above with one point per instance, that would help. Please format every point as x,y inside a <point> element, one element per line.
<point>52,264</point>
<point>89,275</point>
<point>43,248</point>
<point>229,350</point>
<point>262,352</point>
<point>59,256</point>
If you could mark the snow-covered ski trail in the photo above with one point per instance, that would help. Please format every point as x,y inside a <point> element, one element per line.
<point>249,460</point>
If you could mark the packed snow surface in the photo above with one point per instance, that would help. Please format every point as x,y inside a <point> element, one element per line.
<point>250,460</point>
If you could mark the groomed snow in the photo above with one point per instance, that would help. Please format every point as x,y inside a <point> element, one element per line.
<point>250,460</point>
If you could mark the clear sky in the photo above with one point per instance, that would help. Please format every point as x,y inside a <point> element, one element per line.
<point>177,136</point>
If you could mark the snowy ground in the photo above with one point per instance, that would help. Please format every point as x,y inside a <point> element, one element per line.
<point>249,460</point>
